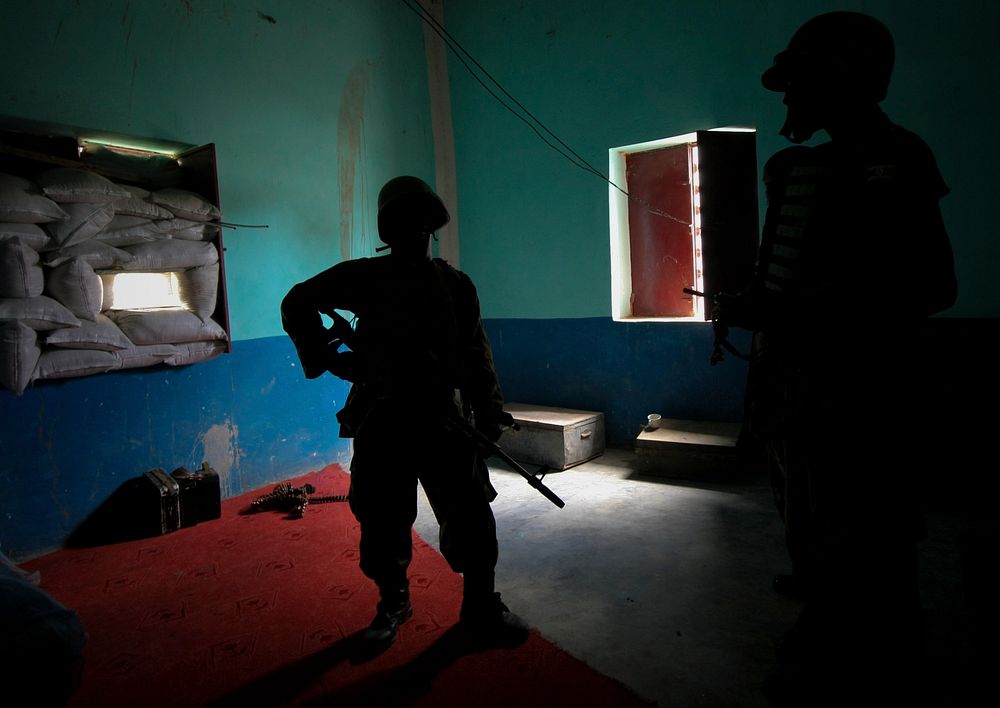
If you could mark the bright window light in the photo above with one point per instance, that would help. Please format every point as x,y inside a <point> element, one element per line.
<point>699,265</point>
<point>145,291</point>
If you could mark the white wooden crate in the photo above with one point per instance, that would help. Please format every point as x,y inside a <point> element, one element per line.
<point>556,437</point>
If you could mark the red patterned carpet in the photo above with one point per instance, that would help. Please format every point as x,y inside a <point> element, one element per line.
<point>258,610</point>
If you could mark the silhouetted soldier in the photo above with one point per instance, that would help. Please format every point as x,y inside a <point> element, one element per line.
<point>854,257</point>
<point>419,353</point>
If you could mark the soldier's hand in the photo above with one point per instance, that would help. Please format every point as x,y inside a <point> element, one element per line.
<point>345,365</point>
<point>491,424</point>
<point>313,355</point>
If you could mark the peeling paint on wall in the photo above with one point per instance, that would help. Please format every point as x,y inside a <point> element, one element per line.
<point>350,138</point>
<point>222,452</point>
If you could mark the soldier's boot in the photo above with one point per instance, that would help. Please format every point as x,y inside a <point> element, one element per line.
<point>393,609</point>
<point>485,620</point>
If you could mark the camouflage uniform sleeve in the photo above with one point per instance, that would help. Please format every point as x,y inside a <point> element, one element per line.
<point>912,254</point>
<point>302,309</point>
<point>936,268</point>
<point>752,309</point>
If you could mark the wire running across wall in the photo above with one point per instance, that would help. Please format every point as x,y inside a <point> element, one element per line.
<point>518,110</point>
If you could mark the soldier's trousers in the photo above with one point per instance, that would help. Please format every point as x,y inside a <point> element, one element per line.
<point>846,485</point>
<point>388,463</point>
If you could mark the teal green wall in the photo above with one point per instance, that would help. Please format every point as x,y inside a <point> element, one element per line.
<point>606,74</point>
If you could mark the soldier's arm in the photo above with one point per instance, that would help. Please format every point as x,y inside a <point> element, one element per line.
<point>302,309</point>
<point>920,272</point>
<point>482,383</point>
<point>937,267</point>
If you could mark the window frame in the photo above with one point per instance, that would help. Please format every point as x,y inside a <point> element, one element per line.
<point>724,216</point>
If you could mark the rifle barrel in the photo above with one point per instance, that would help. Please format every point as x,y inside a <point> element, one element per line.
<point>532,479</point>
<point>494,449</point>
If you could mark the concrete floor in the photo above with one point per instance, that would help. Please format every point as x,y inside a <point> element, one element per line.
<point>663,584</point>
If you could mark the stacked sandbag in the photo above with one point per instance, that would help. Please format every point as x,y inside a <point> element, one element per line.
<point>63,236</point>
<point>25,311</point>
<point>143,216</point>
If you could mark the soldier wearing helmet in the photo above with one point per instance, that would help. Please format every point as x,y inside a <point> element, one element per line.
<point>418,353</point>
<point>835,67</point>
<point>854,256</point>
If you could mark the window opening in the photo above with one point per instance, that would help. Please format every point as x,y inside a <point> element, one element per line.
<point>145,291</point>
<point>660,243</point>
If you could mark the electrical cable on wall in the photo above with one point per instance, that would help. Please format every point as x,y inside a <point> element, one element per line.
<point>459,51</point>
<point>528,118</point>
<point>229,225</point>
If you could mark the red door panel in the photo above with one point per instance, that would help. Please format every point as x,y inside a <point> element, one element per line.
<point>662,248</point>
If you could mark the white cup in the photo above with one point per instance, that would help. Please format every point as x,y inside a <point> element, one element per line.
<point>653,421</point>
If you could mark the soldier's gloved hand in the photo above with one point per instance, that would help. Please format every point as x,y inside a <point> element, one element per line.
<point>345,365</point>
<point>492,423</point>
<point>313,355</point>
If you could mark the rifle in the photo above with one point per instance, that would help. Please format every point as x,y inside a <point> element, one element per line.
<point>489,448</point>
<point>720,329</point>
<point>341,333</point>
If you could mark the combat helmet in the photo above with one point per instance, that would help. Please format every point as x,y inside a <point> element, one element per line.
<point>852,49</point>
<point>408,206</point>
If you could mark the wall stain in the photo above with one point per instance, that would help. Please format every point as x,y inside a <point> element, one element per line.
<point>128,21</point>
<point>222,452</point>
<point>189,9</point>
<point>350,135</point>
<point>266,18</point>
